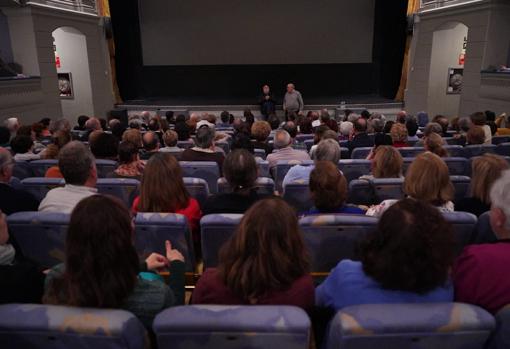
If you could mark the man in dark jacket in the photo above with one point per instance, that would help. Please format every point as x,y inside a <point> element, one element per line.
<point>267,103</point>
<point>360,138</point>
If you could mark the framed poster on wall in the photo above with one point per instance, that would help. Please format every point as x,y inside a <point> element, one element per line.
<point>65,85</point>
<point>454,84</point>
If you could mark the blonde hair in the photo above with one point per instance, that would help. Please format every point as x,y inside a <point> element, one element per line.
<point>387,162</point>
<point>434,143</point>
<point>485,171</point>
<point>428,179</point>
<point>398,132</point>
<point>260,130</point>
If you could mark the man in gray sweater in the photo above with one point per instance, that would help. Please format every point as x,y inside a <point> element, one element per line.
<point>292,102</point>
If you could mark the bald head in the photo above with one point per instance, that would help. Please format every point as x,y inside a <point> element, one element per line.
<point>282,139</point>
<point>150,141</point>
<point>360,125</point>
<point>6,164</point>
<point>290,88</point>
<point>93,124</point>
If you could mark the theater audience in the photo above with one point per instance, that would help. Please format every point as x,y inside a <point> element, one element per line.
<point>326,120</point>
<point>22,146</point>
<point>318,135</point>
<point>475,136</point>
<point>427,180</point>
<point>204,148</point>
<point>263,263</point>
<point>503,124</point>
<point>240,171</point>
<point>385,163</point>
<point>38,134</point>
<point>399,135</point>
<point>327,150</point>
<point>134,136</point>
<point>77,165</point>
<point>5,137</point>
<point>82,119</point>
<point>485,170</point>
<point>92,124</point>
<point>13,125</point>
<point>224,120</point>
<point>464,125</point>
<point>360,137</point>
<point>480,119</point>
<point>328,188</point>
<point>130,165</point>
<point>423,118</point>
<point>443,122</point>
<point>481,274</point>
<point>102,269</point>
<point>346,128</point>
<point>412,129</point>
<point>328,134</point>
<point>104,146</point>
<point>260,131</point>
<point>151,143</point>
<point>162,190</point>
<point>170,138</point>
<point>59,139</point>
<point>406,260</point>
<point>283,150</point>
<point>434,143</point>
<point>291,128</point>
<point>432,127</point>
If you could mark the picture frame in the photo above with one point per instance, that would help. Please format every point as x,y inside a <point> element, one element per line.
<point>65,86</point>
<point>454,82</point>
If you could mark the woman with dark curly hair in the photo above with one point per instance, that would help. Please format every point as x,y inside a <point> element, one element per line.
<point>407,260</point>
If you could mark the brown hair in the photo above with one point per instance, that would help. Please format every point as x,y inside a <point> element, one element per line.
<point>398,132</point>
<point>428,180</point>
<point>162,188</point>
<point>170,138</point>
<point>101,263</point>
<point>134,136</point>
<point>434,143</point>
<point>266,253</point>
<point>475,135</point>
<point>240,170</point>
<point>485,171</point>
<point>260,130</point>
<point>387,162</point>
<point>328,186</point>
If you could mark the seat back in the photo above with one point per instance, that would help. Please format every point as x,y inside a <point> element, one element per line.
<point>405,165</point>
<point>332,237</point>
<point>457,166</point>
<point>298,196</point>
<point>461,184</point>
<point>263,169</point>
<point>185,144</point>
<point>477,150</point>
<point>224,146</point>
<point>22,170</point>
<point>40,186</point>
<point>344,153</point>
<point>207,170</point>
<point>40,235</point>
<point>353,169</point>
<point>52,326</point>
<point>361,193</point>
<point>261,153</point>
<point>410,152</point>
<point>483,230</point>
<point>282,167</point>
<point>125,189</point>
<point>105,167</point>
<point>153,229</point>
<point>388,188</point>
<point>503,149</point>
<point>216,229</point>
<point>500,139</point>
<point>500,338</point>
<point>464,224</point>
<point>197,188</point>
<point>229,327</point>
<point>423,326</point>
<point>455,151</point>
<point>301,138</point>
<point>39,167</point>
<point>309,144</point>
<point>264,185</point>
<point>360,153</point>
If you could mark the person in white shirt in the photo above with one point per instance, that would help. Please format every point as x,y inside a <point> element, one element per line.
<point>78,167</point>
<point>284,151</point>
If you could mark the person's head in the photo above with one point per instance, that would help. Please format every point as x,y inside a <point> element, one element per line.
<point>61,138</point>
<point>365,114</point>
<point>290,88</point>
<point>77,164</point>
<point>154,125</point>
<point>103,123</point>
<point>260,130</point>
<point>411,250</point>
<point>162,187</point>
<point>328,186</point>
<point>240,170</point>
<point>398,133</point>
<point>353,117</point>
<point>273,120</point>
<point>205,137</point>
<point>387,162</point>
<point>377,125</point>
<point>6,165</point>
<point>443,122</point>
<point>99,243</point>
<point>478,118</point>
<point>401,117</point>
<point>242,140</point>
<point>325,117</point>
<point>500,206</point>
<point>12,124</point>
<point>328,150</point>
<point>59,125</point>
<point>104,146</point>
<point>475,135</point>
<point>181,118</point>
<point>423,118</point>
<point>435,144</point>
<point>45,122</point>
<point>291,116</point>
<point>170,138</point>
<point>93,124</point>
<point>266,253</point>
<point>432,127</point>
<point>291,128</point>
<point>282,139</point>
<point>37,131</point>
<point>24,130</point>
<point>82,119</point>
<point>22,144</point>
<point>490,115</point>
<point>5,135</point>
<point>486,169</point>
<point>225,117</point>
<point>319,133</point>
<point>211,118</point>
<point>464,124</point>
<point>346,128</point>
<point>248,116</point>
<point>128,153</point>
<point>134,136</point>
<point>169,115</point>
<point>265,89</point>
<point>427,179</point>
<point>412,127</point>
<point>150,141</point>
<point>360,125</point>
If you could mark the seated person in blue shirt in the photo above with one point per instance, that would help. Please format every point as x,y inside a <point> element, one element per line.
<point>327,150</point>
<point>407,260</point>
<point>328,188</point>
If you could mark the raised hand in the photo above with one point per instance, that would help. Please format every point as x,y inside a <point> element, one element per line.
<point>156,261</point>
<point>171,254</point>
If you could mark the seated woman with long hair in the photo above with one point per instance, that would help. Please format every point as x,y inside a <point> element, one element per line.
<point>162,190</point>
<point>407,260</point>
<point>328,188</point>
<point>386,163</point>
<point>264,262</point>
<point>434,143</point>
<point>101,268</point>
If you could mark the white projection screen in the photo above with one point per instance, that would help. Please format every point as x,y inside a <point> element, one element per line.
<point>236,32</point>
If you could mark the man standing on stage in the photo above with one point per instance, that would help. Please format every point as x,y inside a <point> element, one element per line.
<point>292,102</point>
<point>267,103</point>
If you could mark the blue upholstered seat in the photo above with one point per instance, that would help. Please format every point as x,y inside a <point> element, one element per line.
<point>483,233</point>
<point>455,151</point>
<point>333,237</point>
<point>216,229</point>
<point>297,194</point>
<point>496,140</point>
<point>503,149</point>
<point>282,167</point>
<point>265,185</point>
<point>40,235</point>
<point>51,326</point>
<point>387,188</point>
<point>185,144</point>
<point>457,166</point>
<point>152,229</point>
<point>461,184</point>
<point>301,138</point>
<point>125,189</point>
<point>344,153</point>
<point>464,224</point>
<point>105,167</point>
<point>361,193</point>
<point>22,170</point>
<point>229,327</point>
<point>39,167</point>
<point>477,150</point>
<point>263,168</point>
<point>410,152</point>
<point>197,188</point>
<point>500,338</point>
<point>353,169</point>
<point>420,326</point>
<point>360,153</point>
<point>206,170</point>
<point>261,153</point>
<point>40,186</point>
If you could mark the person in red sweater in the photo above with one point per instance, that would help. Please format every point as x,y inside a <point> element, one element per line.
<point>163,190</point>
<point>481,275</point>
<point>263,263</point>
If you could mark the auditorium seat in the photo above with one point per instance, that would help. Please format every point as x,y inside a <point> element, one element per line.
<point>152,229</point>
<point>483,230</point>
<point>461,184</point>
<point>229,327</point>
<point>105,167</point>
<point>125,189</point>
<point>477,150</point>
<point>361,153</point>
<point>265,186</point>
<point>500,139</point>
<point>216,229</point>
<point>361,193</point>
<point>39,167</point>
<point>500,338</point>
<point>197,188</point>
<point>261,153</point>
<point>301,138</point>
<point>53,326</point>
<point>423,326</point>
<point>40,186</point>
<point>455,151</point>
<point>387,188</point>
<point>410,152</point>
<point>344,153</point>
<point>332,237</point>
<point>282,167</point>
<point>298,196</point>
<point>309,143</point>
<point>503,149</point>
<point>22,170</point>
<point>40,236</point>
<point>450,140</point>
<point>353,169</point>
<point>223,145</point>
<point>464,224</point>
<point>185,144</point>
<point>456,166</point>
<point>206,170</point>
<point>263,168</point>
